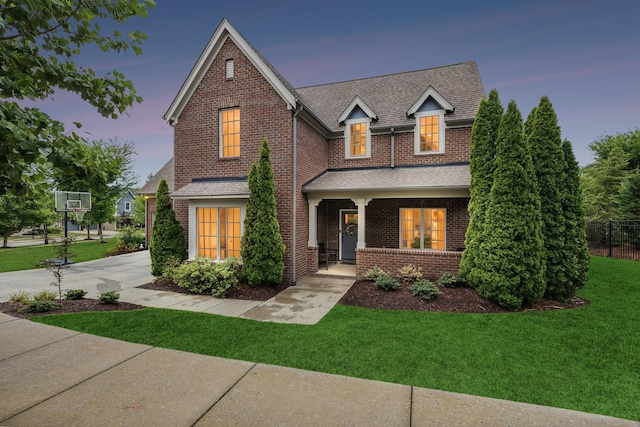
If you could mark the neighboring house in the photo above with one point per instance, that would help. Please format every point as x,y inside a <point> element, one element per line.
<point>124,207</point>
<point>149,190</point>
<point>377,168</point>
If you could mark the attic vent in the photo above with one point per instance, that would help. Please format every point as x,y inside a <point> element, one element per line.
<point>229,68</point>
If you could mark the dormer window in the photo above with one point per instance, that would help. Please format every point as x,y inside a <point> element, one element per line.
<point>357,136</point>
<point>429,132</point>
<point>229,69</point>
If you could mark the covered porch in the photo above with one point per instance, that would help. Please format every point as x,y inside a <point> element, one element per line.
<point>366,218</point>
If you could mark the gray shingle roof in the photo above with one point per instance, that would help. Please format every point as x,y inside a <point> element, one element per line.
<point>166,172</point>
<point>447,176</point>
<point>390,96</point>
<point>207,189</point>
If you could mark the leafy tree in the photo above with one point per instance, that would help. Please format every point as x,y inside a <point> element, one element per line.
<point>110,172</point>
<point>263,246</point>
<point>601,182</point>
<point>167,237</point>
<point>38,41</point>
<point>483,151</point>
<point>629,196</point>
<point>549,165</point>
<point>19,212</point>
<point>139,211</point>
<point>511,270</point>
<point>576,255</point>
<point>629,142</point>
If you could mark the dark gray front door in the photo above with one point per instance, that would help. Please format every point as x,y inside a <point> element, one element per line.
<point>349,226</point>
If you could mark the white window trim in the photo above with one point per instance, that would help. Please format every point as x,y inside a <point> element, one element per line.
<point>220,135</point>
<point>347,138</point>
<point>127,206</point>
<point>422,229</point>
<point>441,132</point>
<point>193,220</point>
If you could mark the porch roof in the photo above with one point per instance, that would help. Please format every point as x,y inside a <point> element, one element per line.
<point>400,178</point>
<point>211,189</point>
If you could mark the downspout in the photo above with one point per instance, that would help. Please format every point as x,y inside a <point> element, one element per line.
<point>393,147</point>
<point>294,196</point>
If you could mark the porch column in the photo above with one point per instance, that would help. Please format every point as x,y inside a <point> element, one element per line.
<point>313,222</point>
<point>361,203</point>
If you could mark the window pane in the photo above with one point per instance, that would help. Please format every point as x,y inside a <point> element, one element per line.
<point>230,127</point>
<point>207,230</point>
<point>435,229</point>
<point>230,232</point>
<point>429,133</point>
<point>410,228</point>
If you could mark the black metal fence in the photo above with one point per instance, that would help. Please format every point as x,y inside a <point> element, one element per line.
<point>614,239</point>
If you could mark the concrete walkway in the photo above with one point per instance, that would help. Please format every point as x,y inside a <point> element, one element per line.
<point>52,376</point>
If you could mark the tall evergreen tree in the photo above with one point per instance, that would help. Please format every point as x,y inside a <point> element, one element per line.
<point>511,269</point>
<point>167,237</point>
<point>549,165</point>
<point>246,244</point>
<point>263,244</point>
<point>483,152</point>
<point>576,248</point>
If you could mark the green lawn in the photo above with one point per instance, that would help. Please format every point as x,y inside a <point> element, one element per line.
<point>27,257</point>
<point>586,359</point>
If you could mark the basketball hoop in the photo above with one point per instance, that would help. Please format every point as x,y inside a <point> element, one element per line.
<point>78,213</point>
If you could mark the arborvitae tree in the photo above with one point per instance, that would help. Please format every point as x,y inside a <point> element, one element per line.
<point>167,238</point>
<point>511,268</point>
<point>576,248</point>
<point>246,244</point>
<point>263,246</point>
<point>549,165</point>
<point>483,152</point>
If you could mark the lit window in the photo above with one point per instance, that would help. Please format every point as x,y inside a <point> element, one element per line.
<point>219,232</point>
<point>230,133</point>
<point>422,228</point>
<point>357,139</point>
<point>429,136</point>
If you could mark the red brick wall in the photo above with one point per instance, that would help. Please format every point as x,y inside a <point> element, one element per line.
<point>263,114</point>
<point>432,263</point>
<point>457,149</point>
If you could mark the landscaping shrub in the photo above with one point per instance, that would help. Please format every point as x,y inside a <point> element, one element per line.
<point>110,297</point>
<point>74,294</point>
<point>129,239</point>
<point>203,275</point>
<point>374,273</point>
<point>40,306</point>
<point>425,288</point>
<point>387,283</point>
<point>44,296</point>
<point>410,273</point>
<point>167,239</point>
<point>21,297</point>
<point>451,280</point>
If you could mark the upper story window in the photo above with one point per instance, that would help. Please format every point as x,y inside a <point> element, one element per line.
<point>230,132</point>
<point>429,132</point>
<point>357,138</point>
<point>229,69</point>
<point>127,206</point>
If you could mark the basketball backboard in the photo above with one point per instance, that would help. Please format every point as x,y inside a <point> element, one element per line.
<point>70,201</point>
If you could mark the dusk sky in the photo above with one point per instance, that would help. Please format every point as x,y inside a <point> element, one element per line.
<point>583,54</point>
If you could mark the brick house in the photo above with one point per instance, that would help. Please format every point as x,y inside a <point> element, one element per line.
<point>377,168</point>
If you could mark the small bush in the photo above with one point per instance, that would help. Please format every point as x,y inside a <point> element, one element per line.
<point>425,288</point>
<point>74,294</point>
<point>129,239</point>
<point>203,275</point>
<point>45,296</point>
<point>387,283</point>
<point>40,306</point>
<point>374,273</point>
<point>110,297</point>
<point>21,297</point>
<point>451,280</point>
<point>410,273</point>
<point>54,230</point>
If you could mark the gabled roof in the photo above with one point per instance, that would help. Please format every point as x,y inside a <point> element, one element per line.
<point>124,193</point>
<point>392,96</point>
<point>357,102</point>
<point>166,172</point>
<point>430,93</point>
<point>222,33</point>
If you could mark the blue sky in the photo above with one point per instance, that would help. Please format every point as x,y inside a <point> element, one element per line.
<point>583,54</point>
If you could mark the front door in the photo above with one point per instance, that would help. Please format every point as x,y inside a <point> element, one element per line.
<point>349,227</point>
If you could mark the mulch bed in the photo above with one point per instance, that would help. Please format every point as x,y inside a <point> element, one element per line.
<point>361,294</point>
